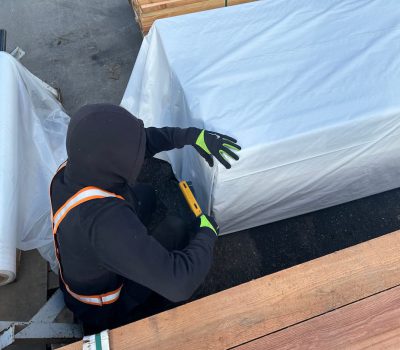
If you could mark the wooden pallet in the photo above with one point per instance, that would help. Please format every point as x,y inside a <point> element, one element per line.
<point>349,299</point>
<point>147,11</point>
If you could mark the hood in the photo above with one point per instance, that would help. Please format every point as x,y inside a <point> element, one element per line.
<point>105,145</point>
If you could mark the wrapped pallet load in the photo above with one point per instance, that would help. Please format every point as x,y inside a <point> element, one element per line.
<point>33,128</point>
<point>309,88</point>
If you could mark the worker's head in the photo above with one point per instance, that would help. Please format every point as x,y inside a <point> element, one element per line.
<point>105,145</point>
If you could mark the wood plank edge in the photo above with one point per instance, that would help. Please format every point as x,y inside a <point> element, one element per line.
<point>345,307</point>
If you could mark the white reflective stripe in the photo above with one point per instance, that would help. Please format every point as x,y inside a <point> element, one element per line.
<point>74,200</point>
<point>82,196</point>
<point>98,300</point>
<point>111,297</point>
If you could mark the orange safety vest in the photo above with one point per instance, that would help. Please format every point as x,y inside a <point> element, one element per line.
<point>84,195</point>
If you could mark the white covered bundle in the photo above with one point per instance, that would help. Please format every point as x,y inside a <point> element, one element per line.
<point>33,128</point>
<point>309,88</point>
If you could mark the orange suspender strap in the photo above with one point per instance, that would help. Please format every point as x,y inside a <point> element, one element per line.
<point>84,195</point>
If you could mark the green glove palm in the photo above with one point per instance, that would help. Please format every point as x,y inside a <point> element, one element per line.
<point>210,144</point>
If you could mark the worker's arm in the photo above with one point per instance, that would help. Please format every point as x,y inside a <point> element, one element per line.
<point>165,139</point>
<point>124,247</point>
<point>207,143</point>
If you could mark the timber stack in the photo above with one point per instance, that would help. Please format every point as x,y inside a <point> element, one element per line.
<point>147,11</point>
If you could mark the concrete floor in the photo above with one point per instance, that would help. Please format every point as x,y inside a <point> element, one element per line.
<point>87,49</point>
<point>23,298</point>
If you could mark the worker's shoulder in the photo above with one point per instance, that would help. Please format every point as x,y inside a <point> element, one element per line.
<point>107,206</point>
<point>107,211</point>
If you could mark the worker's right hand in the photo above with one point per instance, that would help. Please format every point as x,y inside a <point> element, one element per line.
<point>208,222</point>
<point>211,144</point>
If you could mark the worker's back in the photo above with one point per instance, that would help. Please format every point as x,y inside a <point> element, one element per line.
<point>83,271</point>
<point>106,147</point>
<point>109,261</point>
<point>74,235</point>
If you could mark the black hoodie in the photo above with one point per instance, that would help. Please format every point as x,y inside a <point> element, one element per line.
<point>102,242</point>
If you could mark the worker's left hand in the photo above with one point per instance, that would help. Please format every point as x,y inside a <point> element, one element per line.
<point>209,144</point>
<point>208,222</point>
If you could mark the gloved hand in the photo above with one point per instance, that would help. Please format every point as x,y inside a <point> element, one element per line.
<point>208,222</point>
<point>209,144</point>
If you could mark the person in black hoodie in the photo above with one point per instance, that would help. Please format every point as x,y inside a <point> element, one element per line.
<point>109,263</point>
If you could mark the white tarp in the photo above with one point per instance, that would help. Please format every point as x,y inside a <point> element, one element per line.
<point>310,88</point>
<point>33,127</point>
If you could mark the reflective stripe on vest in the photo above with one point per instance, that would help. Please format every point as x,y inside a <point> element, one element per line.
<point>99,300</point>
<point>84,195</point>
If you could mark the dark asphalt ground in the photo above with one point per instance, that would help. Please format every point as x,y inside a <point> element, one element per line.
<point>87,49</point>
<point>246,255</point>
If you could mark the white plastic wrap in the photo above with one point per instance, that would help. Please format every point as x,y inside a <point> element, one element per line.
<point>310,88</point>
<point>32,144</point>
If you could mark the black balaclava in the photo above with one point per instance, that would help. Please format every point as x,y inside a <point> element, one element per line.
<point>105,145</point>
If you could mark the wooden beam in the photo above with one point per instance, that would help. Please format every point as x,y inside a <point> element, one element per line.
<point>238,2</point>
<point>269,304</point>
<point>161,5</point>
<point>181,10</point>
<point>372,323</point>
<point>147,11</point>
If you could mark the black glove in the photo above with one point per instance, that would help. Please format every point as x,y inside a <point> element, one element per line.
<point>206,221</point>
<point>209,144</point>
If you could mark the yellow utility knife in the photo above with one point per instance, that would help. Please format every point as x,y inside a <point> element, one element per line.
<point>191,201</point>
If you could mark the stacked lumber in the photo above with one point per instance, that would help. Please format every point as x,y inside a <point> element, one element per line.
<point>346,300</point>
<point>147,11</point>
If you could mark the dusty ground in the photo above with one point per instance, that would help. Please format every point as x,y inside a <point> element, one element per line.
<point>87,49</point>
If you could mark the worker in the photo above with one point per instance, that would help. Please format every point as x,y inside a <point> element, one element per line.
<point>110,264</point>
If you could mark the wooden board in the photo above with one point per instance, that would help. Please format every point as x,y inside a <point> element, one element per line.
<point>238,2</point>
<point>269,304</point>
<point>147,11</point>
<point>161,5</point>
<point>148,6</point>
<point>372,323</point>
<point>147,19</point>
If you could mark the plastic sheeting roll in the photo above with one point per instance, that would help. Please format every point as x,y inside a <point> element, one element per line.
<point>7,276</point>
<point>33,127</point>
<point>7,262</point>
